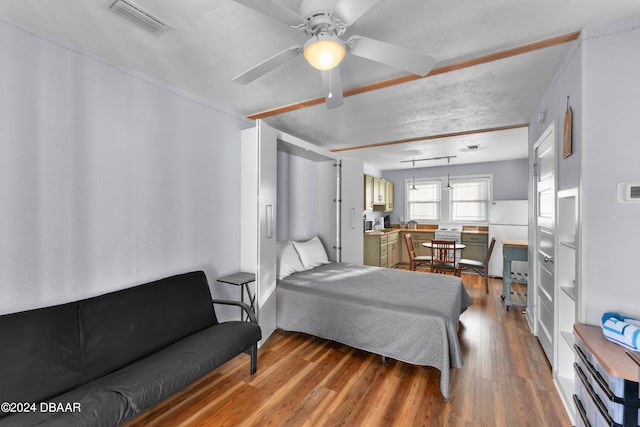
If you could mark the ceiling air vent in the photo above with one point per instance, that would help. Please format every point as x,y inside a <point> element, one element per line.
<point>143,19</point>
<point>629,192</point>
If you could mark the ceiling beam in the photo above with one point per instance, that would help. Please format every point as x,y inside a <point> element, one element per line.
<point>428,138</point>
<point>458,65</point>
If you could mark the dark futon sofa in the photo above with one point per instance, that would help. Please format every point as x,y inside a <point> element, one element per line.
<point>101,361</point>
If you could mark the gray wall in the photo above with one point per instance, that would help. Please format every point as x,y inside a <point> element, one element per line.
<point>510,180</point>
<point>107,180</point>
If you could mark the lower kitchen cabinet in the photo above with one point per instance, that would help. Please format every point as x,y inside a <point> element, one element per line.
<point>375,250</point>
<point>382,250</point>
<point>477,246</point>
<point>393,249</point>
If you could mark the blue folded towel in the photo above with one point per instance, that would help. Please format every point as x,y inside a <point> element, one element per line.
<point>621,330</point>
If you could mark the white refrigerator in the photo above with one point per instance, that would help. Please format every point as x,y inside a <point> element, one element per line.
<point>507,221</point>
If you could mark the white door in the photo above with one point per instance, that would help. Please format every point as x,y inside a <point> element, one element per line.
<point>351,238</point>
<point>545,192</point>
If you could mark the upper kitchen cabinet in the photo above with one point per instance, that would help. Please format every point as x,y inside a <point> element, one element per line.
<point>378,194</point>
<point>368,192</point>
<point>388,196</point>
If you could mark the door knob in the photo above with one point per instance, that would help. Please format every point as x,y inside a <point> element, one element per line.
<point>548,259</point>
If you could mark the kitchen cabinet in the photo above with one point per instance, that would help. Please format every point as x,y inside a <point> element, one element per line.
<point>393,249</point>
<point>368,192</point>
<point>377,193</point>
<point>379,189</point>
<point>477,246</point>
<point>388,196</point>
<point>375,250</point>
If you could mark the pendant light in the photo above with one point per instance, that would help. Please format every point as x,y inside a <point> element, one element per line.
<point>448,187</point>
<point>413,187</point>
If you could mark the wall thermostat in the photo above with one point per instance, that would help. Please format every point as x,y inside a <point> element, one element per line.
<point>629,192</point>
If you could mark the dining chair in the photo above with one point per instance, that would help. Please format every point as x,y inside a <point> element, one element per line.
<point>443,256</point>
<point>415,260</point>
<point>481,268</point>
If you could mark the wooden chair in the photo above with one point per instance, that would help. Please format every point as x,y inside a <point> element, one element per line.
<point>443,256</point>
<point>415,260</point>
<point>482,268</point>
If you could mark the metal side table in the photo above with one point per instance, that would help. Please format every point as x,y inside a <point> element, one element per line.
<point>243,280</point>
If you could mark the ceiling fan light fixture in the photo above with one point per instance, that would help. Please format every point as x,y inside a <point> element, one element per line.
<point>324,51</point>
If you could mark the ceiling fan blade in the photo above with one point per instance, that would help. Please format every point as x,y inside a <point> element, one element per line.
<point>349,11</point>
<point>269,64</point>
<point>389,54</point>
<point>332,83</point>
<point>275,11</point>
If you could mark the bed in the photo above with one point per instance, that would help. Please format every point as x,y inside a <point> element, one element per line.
<point>400,314</point>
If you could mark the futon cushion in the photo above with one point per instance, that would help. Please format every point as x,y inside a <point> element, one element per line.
<point>126,325</point>
<point>39,354</point>
<point>156,377</point>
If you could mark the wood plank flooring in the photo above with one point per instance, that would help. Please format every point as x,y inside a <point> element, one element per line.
<point>308,381</point>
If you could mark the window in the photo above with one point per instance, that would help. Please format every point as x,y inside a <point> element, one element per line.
<point>469,199</point>
<point>423,200</point>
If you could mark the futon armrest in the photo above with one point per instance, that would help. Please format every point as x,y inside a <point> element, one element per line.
<point>243,305</point>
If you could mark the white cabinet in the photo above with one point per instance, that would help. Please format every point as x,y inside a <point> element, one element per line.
<point>567,289</point>
<point>258,181</point>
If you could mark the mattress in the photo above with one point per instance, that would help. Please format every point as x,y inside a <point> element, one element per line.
<point>400,314</point>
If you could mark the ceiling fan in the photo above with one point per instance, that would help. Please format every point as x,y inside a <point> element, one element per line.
<point>325,21</point>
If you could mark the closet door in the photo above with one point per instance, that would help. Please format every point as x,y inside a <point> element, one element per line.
<point>258,215</point>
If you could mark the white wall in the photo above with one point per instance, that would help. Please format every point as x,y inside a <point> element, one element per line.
<point>612,150</point>
<point>107,180</point>
<point>601,76</point>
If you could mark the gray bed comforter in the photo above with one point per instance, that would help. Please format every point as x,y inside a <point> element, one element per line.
<point>400,314</point>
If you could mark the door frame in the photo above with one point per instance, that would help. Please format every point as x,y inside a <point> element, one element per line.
<point>531,312</point>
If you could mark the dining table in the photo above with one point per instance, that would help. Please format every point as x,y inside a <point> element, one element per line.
<point>459,247</point>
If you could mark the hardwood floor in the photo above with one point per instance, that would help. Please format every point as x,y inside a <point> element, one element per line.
<point>308,381</point>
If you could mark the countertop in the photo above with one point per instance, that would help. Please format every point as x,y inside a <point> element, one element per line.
<point>430,229</point>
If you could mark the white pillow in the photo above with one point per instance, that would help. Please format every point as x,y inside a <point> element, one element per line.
<point>287,259</point>
<point>311,252</point>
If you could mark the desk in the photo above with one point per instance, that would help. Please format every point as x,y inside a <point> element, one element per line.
<point>242,280</point>
<point>513,250</point>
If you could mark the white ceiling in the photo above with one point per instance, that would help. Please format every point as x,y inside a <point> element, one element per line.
<point>212,41</point>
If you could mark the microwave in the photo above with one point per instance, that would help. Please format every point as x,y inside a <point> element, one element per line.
<point>368,225</point>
